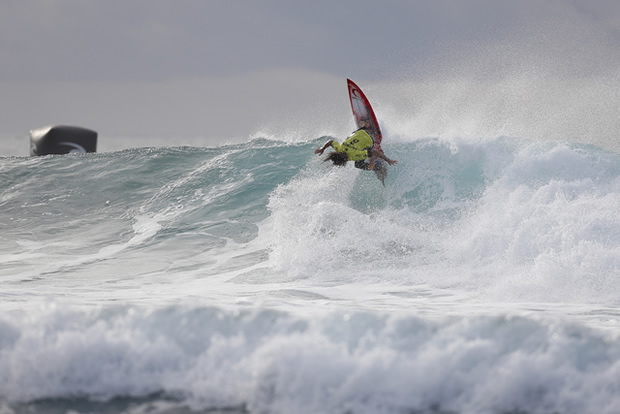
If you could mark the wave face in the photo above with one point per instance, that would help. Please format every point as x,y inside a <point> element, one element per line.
<point>483,278</point>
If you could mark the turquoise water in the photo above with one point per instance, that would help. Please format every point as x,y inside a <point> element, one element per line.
<point>483,278</point>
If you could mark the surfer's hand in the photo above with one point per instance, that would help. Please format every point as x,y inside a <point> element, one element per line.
<point>392,162</point>
<point>320,150</point>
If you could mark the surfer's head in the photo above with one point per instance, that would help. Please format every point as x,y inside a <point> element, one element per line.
<point>338,158</point>
<point>364,124</point>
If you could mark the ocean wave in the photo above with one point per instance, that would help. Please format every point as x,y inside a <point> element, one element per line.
<point>270,361</point>
<point>256,278</point>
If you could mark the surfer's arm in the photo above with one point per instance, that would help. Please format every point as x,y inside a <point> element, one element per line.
<point>389,161</point>
<point>327,145</point>
<point>379,154</point>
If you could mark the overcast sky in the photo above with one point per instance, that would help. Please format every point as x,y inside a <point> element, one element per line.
<point>217,70</point>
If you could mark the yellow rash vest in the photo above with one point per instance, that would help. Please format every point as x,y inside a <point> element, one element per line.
<point>357,146</point>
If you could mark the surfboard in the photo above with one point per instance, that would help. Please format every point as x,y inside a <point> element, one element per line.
<point>362,111</point>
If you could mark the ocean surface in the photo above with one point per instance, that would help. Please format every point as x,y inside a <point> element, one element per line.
<point>253,278</point>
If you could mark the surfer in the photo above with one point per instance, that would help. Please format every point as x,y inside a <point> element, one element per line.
<point>358,147</point>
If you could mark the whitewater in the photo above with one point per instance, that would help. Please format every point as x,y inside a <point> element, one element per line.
<point>253,278</point>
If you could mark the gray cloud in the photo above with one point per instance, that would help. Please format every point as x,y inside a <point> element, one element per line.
<point>163,67</point>
<point>74,40</point>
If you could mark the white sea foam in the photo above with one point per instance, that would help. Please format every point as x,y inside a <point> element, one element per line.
<point>356,361</point>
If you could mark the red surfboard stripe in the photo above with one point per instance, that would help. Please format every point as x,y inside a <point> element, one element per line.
<point>362,111</point>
